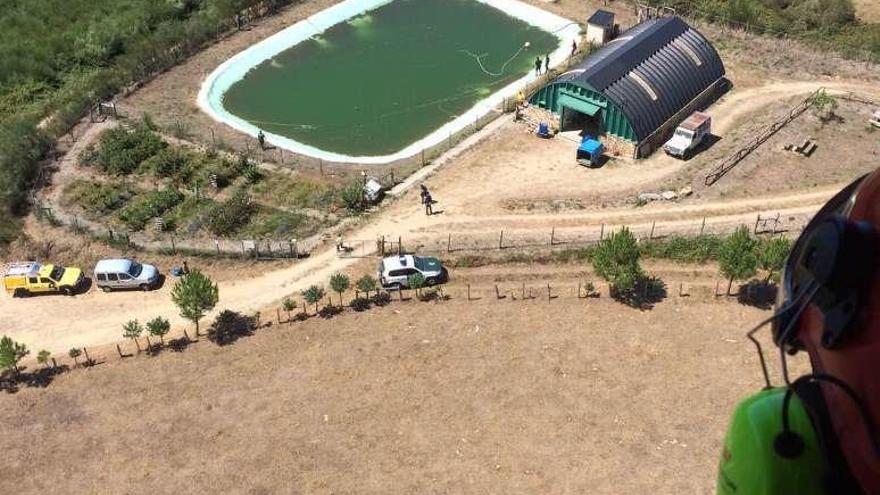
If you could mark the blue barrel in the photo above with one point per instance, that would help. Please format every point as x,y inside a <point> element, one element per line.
<point>543,129</point>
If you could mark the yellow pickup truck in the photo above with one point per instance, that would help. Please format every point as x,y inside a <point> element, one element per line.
<point>24,279</point>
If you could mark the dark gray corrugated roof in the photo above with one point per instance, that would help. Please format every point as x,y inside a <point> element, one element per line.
<point>601,18</point>
<point>658,53</point>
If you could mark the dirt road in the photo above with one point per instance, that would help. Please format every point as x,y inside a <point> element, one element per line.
<point>469,197</point>
<point>58,323</point>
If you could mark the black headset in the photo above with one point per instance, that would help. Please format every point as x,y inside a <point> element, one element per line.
<point>837,257</point>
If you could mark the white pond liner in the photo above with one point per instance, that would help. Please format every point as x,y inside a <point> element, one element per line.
<point>210,98</point>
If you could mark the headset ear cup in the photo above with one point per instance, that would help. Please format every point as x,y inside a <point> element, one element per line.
<point>788,444</point>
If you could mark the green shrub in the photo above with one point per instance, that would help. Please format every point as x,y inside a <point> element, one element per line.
<point>616,259</point>
<point>98,198</point>
<point>150,205</point>
<point>229,216</point>
<point>352,197</point>
<point>121,151</point>
<point>698,249</point>
<point>167,163</point>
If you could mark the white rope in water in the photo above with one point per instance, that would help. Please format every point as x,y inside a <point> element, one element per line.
<point>479,59</point>
<point>438,102</point>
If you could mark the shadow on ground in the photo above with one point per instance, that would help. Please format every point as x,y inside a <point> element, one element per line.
<point>758,293</point>
<point>647,292</point>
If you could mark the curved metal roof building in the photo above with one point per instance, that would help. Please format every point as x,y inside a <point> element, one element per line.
<point>635,84</point>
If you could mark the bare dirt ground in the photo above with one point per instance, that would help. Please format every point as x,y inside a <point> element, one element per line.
<point>867,10</point>
<point>507,397</point>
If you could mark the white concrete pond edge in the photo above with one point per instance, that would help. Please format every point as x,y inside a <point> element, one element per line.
<point>210,98</point>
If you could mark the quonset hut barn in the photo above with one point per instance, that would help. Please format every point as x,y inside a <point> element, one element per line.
<point>636,89</point>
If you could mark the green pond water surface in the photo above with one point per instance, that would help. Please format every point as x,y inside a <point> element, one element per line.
<point>383,80</point>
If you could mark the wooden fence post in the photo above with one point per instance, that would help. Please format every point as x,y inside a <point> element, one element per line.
<point>651,235</point>
<point>449,243</point>
<point>468,292</point>
<point>703,226</point>
<point>756,223</point>
<point>501,240</point>
<point>552,235</point>
<point>602,233</point>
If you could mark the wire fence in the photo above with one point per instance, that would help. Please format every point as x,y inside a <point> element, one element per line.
<point>174,243</point>
<point>765,224</point>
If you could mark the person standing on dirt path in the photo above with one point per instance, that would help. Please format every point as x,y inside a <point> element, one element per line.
<point>427,200</point>
<point>574,47</point>
<point>546,63</point>
<point>538,66</point>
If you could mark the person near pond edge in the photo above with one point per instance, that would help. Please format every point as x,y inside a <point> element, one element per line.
<point>574,46</point>
<point>546,64</point>
<point>262,139</point>
<point>538,66</point>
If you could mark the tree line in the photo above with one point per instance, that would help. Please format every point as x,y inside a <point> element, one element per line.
<point>739,255</point>
<point>829,23</point>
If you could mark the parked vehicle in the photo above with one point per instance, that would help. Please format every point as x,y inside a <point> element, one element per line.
<point>688,135</point>
<point>394,271</point>
<point>26,278</point>
<point>589,153</point>
<point>125,273</point>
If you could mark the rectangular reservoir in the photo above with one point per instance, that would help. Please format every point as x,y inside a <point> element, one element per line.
<point>384,80</point>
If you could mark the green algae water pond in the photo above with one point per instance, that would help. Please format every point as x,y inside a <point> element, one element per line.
<point>387,78</point>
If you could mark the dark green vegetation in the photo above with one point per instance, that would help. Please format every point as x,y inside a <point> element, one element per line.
<point>59,57</point>
<point>383,80</point>
<point>771,252</point>
<point>829,23</point>
<point>195,294</point>
<point>150,184</point>
<point>616,259</point>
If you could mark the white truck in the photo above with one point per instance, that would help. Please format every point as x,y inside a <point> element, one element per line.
<point>688,135</point>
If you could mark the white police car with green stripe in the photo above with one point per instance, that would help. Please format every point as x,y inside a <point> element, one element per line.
<point>394,271</point>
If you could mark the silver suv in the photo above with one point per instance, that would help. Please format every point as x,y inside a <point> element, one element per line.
<point>394,271</point>
<point>124,273</point>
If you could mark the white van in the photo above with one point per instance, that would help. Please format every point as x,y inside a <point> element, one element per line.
<point>125,273</point>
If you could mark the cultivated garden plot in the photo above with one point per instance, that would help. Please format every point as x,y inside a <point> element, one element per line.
<point>133,180</point>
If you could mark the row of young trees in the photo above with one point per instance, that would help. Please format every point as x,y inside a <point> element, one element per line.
<point>617,258</point>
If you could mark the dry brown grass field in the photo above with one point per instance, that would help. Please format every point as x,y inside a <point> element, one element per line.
<point>491,396</point>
